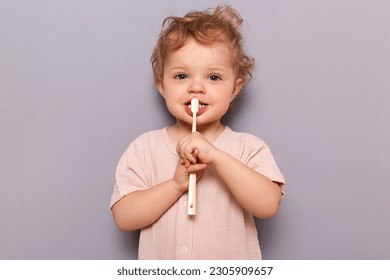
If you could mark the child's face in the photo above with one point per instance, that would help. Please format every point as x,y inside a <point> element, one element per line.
<point>202,71</point>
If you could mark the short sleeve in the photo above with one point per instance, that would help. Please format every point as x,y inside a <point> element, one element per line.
<point>130,173</point>
<point>261,159</point>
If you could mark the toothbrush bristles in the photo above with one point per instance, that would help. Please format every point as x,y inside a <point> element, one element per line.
<point>194,105</point>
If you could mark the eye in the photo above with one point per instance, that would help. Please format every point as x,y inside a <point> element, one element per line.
<point>214,77</point>
<point>181,76</point>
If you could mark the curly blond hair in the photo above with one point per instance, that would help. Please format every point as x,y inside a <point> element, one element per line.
<point>206,27</point>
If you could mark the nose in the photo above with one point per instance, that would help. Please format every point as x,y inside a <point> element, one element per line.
<point>196,86</point>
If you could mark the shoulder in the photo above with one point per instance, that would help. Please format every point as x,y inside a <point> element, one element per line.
<point>158,133</point>
<point>254,152</point>
<point>147,137</point>
<point>147,140</point>
<point>242,146</point>
<point>242,138</point>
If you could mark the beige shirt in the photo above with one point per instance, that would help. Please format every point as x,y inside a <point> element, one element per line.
<point>221,229</point>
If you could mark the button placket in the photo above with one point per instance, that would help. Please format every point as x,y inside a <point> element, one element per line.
<point>185,237</point>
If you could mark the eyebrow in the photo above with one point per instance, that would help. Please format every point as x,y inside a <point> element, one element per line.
<point>175,68</point>
<point>218,69</point>
<point>209,69</point>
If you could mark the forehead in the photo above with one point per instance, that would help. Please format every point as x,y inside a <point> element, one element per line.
<point>196,53</point>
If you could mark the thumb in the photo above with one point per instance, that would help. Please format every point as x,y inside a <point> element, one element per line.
<point>196,167</point>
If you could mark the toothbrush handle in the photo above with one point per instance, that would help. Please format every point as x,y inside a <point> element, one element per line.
<point>194,123</point>
<point>192,195</point>
<point>191,210</point>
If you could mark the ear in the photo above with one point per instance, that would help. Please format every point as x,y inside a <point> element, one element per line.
<point>237,88</point>
<point>159,86</point>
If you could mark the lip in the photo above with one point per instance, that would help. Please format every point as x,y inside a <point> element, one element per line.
<point>200,111</point>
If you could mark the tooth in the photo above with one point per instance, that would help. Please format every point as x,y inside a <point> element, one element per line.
<point>200,105</point>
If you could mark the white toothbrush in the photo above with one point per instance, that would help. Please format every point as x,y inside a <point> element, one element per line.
<point>192,184</point>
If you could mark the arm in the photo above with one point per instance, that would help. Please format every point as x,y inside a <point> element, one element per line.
<point>253,191</point>
<point>142,208</point>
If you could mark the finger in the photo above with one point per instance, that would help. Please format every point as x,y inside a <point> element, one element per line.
<point>187,163</point>
<point>187,152</point>
<point>195,153</point>
<point>190,156</point>
<point>184,151</point>
<point>181,144</point>
<point>196,167</point>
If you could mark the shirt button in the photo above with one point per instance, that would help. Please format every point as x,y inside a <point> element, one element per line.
<point>184,249</point>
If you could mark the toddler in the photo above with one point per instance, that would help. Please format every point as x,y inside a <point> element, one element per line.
<point>199,55</point>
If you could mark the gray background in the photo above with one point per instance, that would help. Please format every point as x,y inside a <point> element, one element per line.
<point>76,89</point>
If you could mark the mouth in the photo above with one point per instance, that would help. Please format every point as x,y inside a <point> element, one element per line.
<point>201,105</point>
<point>201,109</point>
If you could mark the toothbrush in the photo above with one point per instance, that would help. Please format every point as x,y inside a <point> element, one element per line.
<point>192,180</point>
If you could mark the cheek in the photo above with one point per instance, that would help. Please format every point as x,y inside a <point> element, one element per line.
<point>228,91</point>
<point>171,89</point>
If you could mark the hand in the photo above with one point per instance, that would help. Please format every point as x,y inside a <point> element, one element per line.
<point>195,148</point>
<point>182,174</point>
